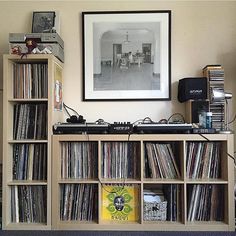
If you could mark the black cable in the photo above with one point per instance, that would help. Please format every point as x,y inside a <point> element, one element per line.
<point>205,137</point>
<point>176,114</point>
<point>225,152</point>
<point>232,119</point>
<point>103,187</point>
<point>163,121</point>
<point>124,181</point>
<point>66,110</point>
<point>137,121</point>
<point>101,121</point>
<point>148,120</point>
<point>65,106</point>
<point>233,158</point>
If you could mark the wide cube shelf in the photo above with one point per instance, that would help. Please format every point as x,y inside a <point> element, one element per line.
<point>132,169</point>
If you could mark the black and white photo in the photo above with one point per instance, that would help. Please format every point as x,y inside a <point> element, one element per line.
<point>126,55</point>
<point>43,22</point>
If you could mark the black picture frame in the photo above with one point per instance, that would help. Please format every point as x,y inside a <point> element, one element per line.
<point>43,21</point>
<point>126,55</point>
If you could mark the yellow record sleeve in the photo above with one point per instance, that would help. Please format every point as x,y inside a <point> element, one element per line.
<point>120,203</point>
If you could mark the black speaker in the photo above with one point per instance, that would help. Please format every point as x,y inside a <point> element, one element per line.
<point>194,88</point>
<point>193,108</point>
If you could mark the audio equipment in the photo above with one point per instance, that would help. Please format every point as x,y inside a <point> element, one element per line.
<point>192,88</point>
<point>76,119</point>
<point>193,108</point>
<point>79,128</point>
<point>120,128</point>
<point>158,128</point>
<point>204,131</point>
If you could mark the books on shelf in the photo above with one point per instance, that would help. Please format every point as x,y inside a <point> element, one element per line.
<point>120,203</point>
<point>160,161</point>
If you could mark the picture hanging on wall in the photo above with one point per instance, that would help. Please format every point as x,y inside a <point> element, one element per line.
<point>126,55</point>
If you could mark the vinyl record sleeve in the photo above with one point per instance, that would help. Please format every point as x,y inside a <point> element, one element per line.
<point>120,203</point>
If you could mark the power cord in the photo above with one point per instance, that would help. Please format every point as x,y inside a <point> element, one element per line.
<point>148,120</point>
<point>232,119</point>
<point>229,155</point>
<point>73,118</point>
<point>66,109</point>
<point>182,120</point>
<point>124,180</point>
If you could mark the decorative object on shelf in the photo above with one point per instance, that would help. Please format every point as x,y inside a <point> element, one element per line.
<point>117,70</point>
<point>36,43</point>
<point>45,22</point>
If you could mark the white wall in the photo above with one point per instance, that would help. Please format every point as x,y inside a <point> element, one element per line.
<point>202,33</point>
<point>1,128</point>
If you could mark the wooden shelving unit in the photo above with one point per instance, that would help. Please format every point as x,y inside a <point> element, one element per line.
<point>27,192</point>
<point>65,187</point>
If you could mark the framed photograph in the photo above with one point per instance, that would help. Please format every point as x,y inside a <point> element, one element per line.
<point>44,22</point>
<point>126,55</point>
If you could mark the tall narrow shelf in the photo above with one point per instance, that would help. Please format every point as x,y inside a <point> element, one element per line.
<point>31,105</point>
<point>128,163</point>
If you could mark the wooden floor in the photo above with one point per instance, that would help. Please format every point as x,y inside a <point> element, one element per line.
<point>94,233</point>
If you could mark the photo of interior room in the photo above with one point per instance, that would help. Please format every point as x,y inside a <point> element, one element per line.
<point>128,57</point>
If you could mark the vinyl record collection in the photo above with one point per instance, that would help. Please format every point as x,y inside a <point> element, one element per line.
<point>119,159</point>
<point>28,204</point>
<point>78,202</point>
<point>79,160</point>
<point>30,80</point>
<point>29,161</point>
<point>160,161</point>
<point>205,202</point>
<point>203,160</point>
<point>30,121</point>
